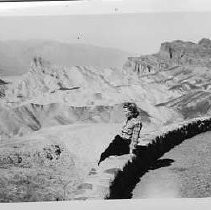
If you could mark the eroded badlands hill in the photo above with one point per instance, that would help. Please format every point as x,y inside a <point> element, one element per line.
<point>50,95</point>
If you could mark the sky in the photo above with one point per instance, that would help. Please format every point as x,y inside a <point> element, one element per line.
<point>140,32</point>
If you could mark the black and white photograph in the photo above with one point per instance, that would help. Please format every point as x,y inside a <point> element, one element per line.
<point>104,105</point>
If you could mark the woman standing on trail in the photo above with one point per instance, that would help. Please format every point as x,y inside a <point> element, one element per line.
<point>127,140</point>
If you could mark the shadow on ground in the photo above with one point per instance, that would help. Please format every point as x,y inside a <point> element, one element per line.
<point>161,163</point>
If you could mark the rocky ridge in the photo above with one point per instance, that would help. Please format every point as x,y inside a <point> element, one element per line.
<point>184,69</point>
<point>171,55</point>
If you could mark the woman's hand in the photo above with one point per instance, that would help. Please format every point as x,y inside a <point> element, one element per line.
<point>132,147</point>
<point>131,151</point>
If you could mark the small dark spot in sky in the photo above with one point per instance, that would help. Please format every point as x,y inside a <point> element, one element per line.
<point>116,9</point>
<point>79,36</point>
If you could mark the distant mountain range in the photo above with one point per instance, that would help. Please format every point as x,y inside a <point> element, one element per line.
<point>16,56</point>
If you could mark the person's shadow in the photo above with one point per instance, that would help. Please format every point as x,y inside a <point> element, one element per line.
<point>132,176</point>
<point>161,163</point>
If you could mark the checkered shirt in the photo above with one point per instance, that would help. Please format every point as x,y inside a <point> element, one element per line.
<point>131,129</point>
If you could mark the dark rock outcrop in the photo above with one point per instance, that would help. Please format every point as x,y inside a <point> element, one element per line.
<point>2,88</point>
<point>187,53</point>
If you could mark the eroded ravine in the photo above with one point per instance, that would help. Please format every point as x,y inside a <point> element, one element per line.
<point>182,172</point>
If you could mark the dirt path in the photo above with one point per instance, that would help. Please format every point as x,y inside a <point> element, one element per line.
<point>185,171</point>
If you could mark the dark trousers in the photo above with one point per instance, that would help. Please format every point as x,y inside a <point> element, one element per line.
<point>118,146</point>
